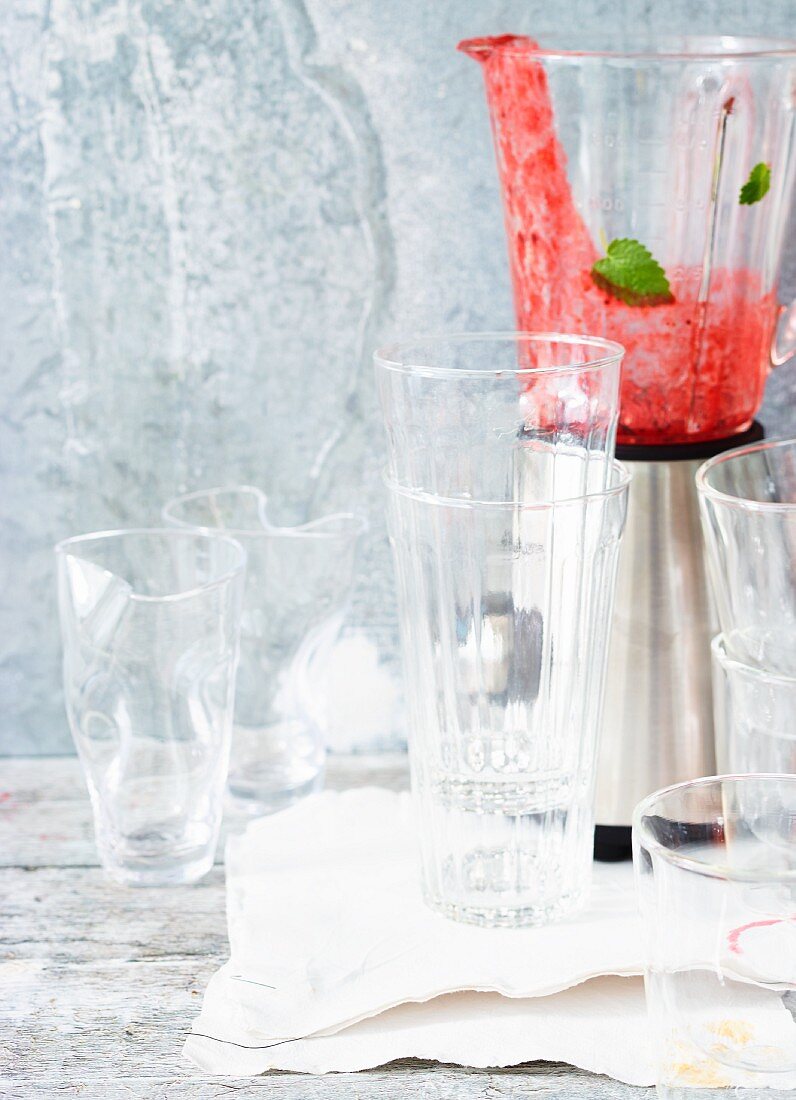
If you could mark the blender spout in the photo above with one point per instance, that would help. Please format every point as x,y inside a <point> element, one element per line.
<point>481,49</point>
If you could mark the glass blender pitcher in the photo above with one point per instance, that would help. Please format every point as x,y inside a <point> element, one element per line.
<point>646,196</point>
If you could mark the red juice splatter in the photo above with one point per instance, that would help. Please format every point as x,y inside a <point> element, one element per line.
<point>734,937</point>
<point>694,369</point>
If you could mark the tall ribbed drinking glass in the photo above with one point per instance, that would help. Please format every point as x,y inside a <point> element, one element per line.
<point>506,512</point>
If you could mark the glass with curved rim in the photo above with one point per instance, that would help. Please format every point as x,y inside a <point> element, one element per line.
<point>150,622</point>
<point>298,583</point>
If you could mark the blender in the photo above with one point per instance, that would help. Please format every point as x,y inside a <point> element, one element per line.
<point>646,195</point>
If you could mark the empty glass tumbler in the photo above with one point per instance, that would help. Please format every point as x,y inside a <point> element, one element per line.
<point>748,506</point>
<point>298,581</point>
<point>150,622</point>
<point>505,528</point>
<point>467,414</point>
<point>754,715</point>
<point>716,873</point>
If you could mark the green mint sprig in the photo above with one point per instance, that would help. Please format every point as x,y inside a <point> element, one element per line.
<point>757,186</point>
<point>630,272</point>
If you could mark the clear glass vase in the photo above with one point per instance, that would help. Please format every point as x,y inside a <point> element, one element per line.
<point>298,581</point>
<point>506,512</point>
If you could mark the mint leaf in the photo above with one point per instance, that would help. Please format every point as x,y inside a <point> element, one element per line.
<point>757,185</point>
<point>630,272</point>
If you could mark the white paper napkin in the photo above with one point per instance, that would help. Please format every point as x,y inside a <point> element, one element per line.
<point>599,1026</point>
<point>336,963</point>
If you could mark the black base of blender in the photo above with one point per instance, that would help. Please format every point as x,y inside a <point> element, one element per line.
<point>688,452</point>
<point>612,843</point>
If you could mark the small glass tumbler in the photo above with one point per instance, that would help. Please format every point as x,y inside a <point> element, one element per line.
<point>748,504</point>
<point>151,622</point>
<point>505,610</point>
<point>298,582</point>
<point>715,865</point>
<point>754,715</point>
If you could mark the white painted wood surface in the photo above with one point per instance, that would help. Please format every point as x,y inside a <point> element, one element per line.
<point>98,984</point>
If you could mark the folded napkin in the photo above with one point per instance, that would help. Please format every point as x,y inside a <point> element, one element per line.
<point>599,1026</point>
<point>336,963</point>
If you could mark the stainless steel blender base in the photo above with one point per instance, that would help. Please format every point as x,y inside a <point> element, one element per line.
<point>658,716</point>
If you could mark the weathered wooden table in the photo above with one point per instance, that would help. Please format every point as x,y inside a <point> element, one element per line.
<point>98,984</point>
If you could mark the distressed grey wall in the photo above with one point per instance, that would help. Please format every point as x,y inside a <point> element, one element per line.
<point>211,211</point>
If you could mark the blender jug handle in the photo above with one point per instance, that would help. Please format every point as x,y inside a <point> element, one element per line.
<point>783,342</point>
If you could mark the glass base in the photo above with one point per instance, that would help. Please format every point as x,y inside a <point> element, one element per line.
<point>507,916</point>
<point>160,871</point>
<point>505,853</point>
<point>271,793</point>
<point>274,766</point>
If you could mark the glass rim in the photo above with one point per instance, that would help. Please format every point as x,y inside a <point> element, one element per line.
<point>389,356</point>
<point>641,832</point>
<point>709,492</point>
<point>623,477</point>
<point>752,47</point>
<point>310,530</point>
<point>726,659</point>
<point>238,569</point>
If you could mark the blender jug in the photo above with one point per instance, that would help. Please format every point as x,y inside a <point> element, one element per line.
<point>645,198</point>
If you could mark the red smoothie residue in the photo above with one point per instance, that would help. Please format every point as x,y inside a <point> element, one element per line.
<point>693,370</point>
